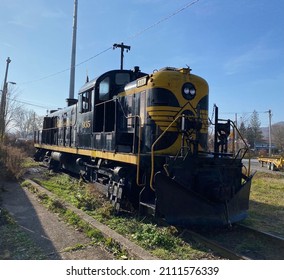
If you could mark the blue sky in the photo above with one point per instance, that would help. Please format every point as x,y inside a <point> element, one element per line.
<point>237,46</point>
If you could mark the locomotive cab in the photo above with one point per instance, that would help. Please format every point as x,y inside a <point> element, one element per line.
<point>97,118</point>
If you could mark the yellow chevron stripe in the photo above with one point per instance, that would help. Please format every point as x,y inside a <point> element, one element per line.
<point>163,108</point>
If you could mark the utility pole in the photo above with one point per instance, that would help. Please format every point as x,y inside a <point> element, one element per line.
<point>122,47</point>
<point>269,132</point>
<point>236,144</point>
<point>71,100</point>
<point>3,103</point>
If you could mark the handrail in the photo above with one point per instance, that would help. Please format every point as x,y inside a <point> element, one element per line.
<point>139,153</point>
<point>246,147</point>
<point>152,150</point>
<point>139,147</point>
<point>139,141</point>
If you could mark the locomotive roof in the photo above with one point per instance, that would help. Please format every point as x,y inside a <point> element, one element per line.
<point>92,83</point>
<point>88,85</point>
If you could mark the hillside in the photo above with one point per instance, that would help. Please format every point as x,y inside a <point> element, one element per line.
<point>265,130</point>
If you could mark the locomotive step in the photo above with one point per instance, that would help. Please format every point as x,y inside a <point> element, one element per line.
<point>147,208</point>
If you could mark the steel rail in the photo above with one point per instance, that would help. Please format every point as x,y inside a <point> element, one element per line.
<point>270,236</point>
<point>216,247</point>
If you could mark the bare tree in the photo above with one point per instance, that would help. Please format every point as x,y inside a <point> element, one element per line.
<point>12,109</point>
<point>26,122</point>
<point>18,119</point>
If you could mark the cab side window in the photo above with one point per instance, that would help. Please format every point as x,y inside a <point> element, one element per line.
<point>86,102</point>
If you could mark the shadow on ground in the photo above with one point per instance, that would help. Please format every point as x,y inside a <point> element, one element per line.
<point>21,208</point>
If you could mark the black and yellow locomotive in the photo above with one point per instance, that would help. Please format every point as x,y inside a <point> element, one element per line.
<point>143,138</point>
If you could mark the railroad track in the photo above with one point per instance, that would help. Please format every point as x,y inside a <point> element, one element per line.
<point>224,252</point>
<point>239,243</point>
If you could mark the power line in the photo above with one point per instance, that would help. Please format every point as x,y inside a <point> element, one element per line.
<point>29,103</point>
<point>164,19</point>
<point>233,113</point>
<point>109,48</point>
<point>67,69</point>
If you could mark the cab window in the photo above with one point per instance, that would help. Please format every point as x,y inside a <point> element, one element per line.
<point>104,89</point>
<point>122,78</point>
<point>86,101</point>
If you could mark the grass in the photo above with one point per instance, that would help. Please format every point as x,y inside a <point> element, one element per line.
<point>96,237</point>
<point>162,241</point>
<point>72,190</point>
<point>29,163</point>
<point>15,244</point>
<point>267,203</point>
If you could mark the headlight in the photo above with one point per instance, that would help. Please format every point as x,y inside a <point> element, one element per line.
<point>188,91</point>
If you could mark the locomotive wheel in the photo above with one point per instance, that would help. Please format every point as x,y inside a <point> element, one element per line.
<point>115,192</point>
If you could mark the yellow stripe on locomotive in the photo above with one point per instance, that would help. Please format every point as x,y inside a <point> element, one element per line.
<point>170,93</point>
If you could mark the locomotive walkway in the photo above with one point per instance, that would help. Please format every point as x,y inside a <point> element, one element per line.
<point>52,235</point>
